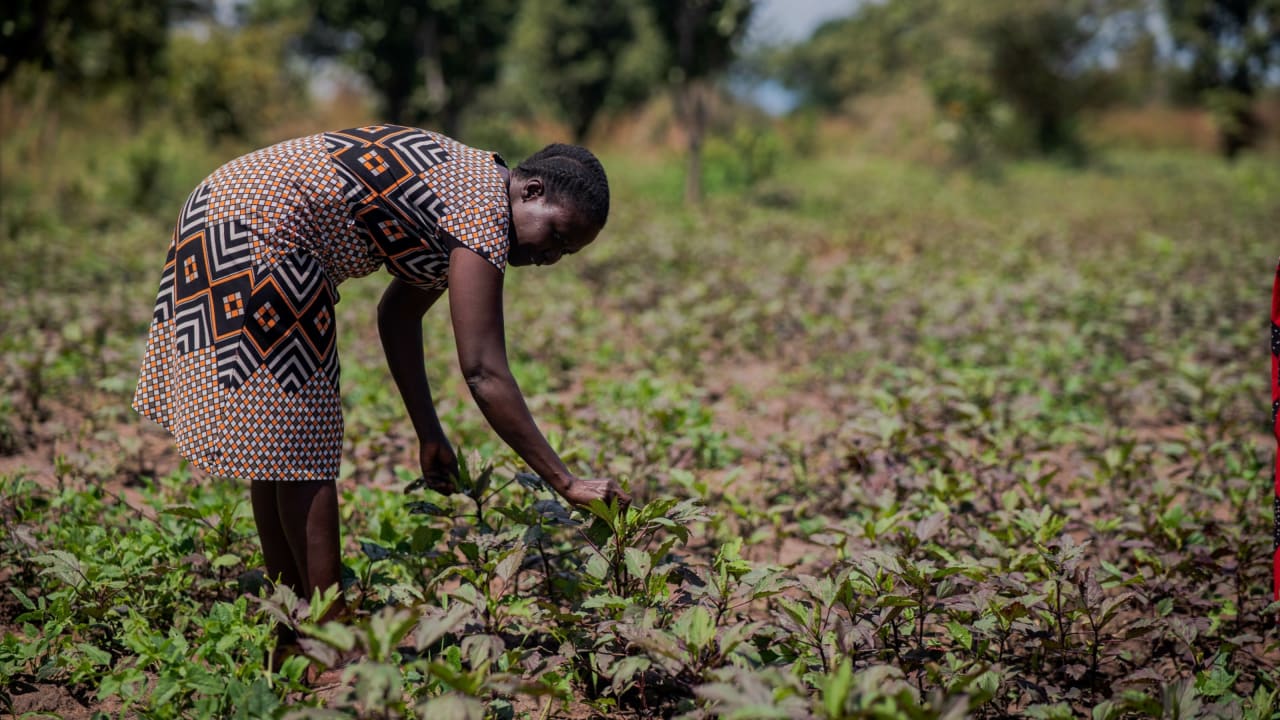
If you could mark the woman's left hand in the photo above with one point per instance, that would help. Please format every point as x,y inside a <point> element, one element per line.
<point>439,465</point>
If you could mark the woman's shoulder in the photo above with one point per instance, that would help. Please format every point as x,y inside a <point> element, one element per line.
<point>419,149</point>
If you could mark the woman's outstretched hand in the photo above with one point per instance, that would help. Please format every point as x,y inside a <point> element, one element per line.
<point>439,465</point>
<point>582,491</point>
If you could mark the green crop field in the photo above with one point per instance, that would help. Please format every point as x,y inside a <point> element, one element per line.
<point>905,442</point>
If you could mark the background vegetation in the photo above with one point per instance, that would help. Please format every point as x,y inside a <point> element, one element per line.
<point>943,393</point>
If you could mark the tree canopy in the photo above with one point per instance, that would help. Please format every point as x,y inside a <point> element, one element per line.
<point>1234,46</point>
<point>426,60</point>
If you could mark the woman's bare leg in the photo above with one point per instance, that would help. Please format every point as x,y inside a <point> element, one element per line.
<point>308,516</point>
<point>281,566</point>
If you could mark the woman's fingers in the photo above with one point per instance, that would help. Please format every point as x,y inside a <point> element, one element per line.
<point>582,492</point>
<point>442,484</point>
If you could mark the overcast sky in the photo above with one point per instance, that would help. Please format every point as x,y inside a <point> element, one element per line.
<point>777,20</point>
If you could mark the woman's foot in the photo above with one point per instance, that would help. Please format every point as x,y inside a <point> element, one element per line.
<point>286,646</point>
<point>320,677</point>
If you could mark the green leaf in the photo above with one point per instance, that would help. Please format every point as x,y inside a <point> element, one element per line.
<point>800,614</point>
<point>638,562</point>
<point>508,566</point>
<point>333,634</point>
<point>386,629</point>
<point>695,627</point>
<point>456,678</point>
<point>22,598</point>
<point>424,539</point>
<point>1217,682</point>
<point>431,629</point>
<point>960,634</point>
<point>1106,710</point>
<point>452,706</point>
<point>606,600</point>
<point>599,532</point>
<point>96,655</point>
<point>1056,711</point>
<point>374,551</point>
<point>183,511</point>
<point>625,669</point>
<point>481,485</point>
<point>597,567</point>
<point>835,689</point>
<point>226,560</point>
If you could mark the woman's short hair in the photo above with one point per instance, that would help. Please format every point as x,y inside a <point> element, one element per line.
<point>572,175</point>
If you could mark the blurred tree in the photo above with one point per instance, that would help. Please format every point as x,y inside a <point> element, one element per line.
<point>580,58</point>
<point>701,38</point>
<point>1011,72</point>
<point>1141,75</point>
<point>1234,47</point>
<point>848,56</point>
<point>237,81</point>
<point>1038,65</point>
<point>427,59</point>
<point>89,44</point>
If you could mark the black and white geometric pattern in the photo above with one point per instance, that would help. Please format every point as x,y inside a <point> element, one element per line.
<point>408,185</point>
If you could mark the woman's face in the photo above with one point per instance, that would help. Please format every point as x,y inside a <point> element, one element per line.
<point>545,232</point>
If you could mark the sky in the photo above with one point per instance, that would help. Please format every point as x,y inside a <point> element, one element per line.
<point>787,20</point>
<point>774,21</point>
<point>778,21</point>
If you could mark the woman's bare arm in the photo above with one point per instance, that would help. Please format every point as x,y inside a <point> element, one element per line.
<point>400,329</point>
<point>475,302</point>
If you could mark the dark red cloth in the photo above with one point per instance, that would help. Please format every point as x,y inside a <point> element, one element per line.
<point>1275,425</point>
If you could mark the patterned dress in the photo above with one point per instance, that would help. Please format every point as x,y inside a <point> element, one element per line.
<point>241,365</point>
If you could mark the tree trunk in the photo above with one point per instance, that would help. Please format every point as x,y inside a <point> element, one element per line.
<point>1239,127</point>
<point>1240,132</point>
<point>440,101</point>
<point>694,118</point>
<point>450,119</point>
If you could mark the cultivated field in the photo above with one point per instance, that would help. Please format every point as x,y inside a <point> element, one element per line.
<point>905,443</point>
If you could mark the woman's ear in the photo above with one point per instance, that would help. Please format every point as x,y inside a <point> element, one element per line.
<point>533,188</point>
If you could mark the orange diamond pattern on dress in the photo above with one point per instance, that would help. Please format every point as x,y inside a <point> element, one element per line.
<point>392,230</point>
<point>267,317</point>
<point>323,320</point>
<point>233,305</point>
<point>373,162</point>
